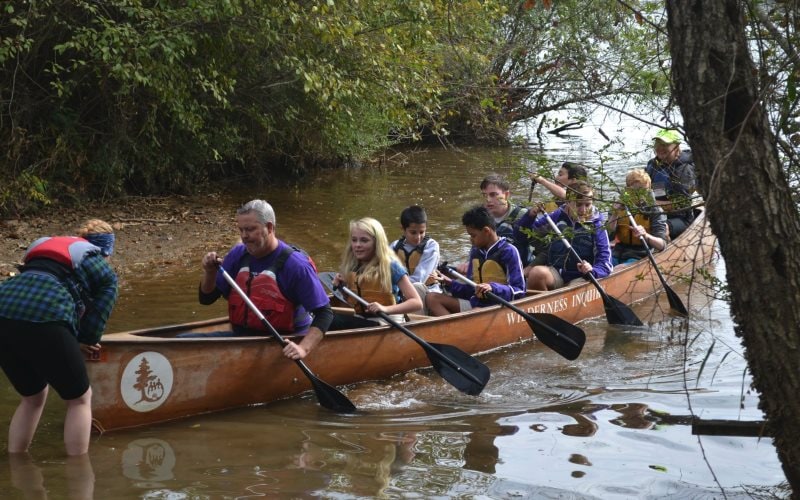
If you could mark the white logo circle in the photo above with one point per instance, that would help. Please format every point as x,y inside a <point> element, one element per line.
<point>146,381</point>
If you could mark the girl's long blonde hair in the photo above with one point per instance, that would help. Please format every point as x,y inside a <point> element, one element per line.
<point>379,269</point>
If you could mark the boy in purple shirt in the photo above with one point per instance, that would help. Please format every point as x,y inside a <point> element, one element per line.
<point>494,265</point>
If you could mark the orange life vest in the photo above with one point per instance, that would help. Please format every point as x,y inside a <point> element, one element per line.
<point>624,233</point>
<point>369,291</point>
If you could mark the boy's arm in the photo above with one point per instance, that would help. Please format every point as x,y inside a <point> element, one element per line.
<point>658,225</point>
<point>541,225</point>
<point>514,288</point>
<point>558,191</point>
<point>527,219</point>
<point>601,267</point>
<point>427,262</point>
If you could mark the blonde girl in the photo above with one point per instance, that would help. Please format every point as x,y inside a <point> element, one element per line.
<point>370,269</point>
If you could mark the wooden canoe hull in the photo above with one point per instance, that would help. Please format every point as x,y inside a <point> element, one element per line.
<point>149,376</point>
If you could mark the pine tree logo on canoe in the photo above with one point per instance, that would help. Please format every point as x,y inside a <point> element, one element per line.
<point>146,381</point>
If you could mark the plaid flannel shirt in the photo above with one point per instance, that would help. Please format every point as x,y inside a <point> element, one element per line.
<point>41,298</point>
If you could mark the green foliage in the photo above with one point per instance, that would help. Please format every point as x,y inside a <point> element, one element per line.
<point>774,28</point>
<point>123,96</point>
<point>18,193</point>
<point>536,59</point>
<point>127,96</point>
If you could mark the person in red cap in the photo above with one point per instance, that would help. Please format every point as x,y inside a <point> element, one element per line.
<point>673,180</point>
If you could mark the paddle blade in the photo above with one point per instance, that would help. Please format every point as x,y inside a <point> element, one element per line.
<point>471,383</point>
<point>618,313</point>
<point>559,335</point>
<point>329,397</point>
<point>675,302</point>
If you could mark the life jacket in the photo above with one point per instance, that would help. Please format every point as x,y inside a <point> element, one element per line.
<point>662,176</point>
<point>369,291</point>
<point>489,269</point>
<point>67,250</point>
<point>505,228</point>
<point>551,205</point>
<point>411,259</point>
<point>581,237</point>
<point>624,233</point>
<point>60,256</point>
<point>264,291</point>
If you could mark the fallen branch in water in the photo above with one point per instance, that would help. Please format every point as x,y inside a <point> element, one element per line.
<point>566,126</point>
<point>757,428</point>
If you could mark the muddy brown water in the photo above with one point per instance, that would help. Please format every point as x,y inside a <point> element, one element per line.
<point>604,426</point>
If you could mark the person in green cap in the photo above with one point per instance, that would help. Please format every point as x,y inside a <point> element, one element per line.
<point>673,180</point>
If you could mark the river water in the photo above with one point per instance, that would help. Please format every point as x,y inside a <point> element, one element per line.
<point>615,423</point>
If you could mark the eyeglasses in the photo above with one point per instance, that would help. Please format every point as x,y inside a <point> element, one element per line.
<point>493,195</point>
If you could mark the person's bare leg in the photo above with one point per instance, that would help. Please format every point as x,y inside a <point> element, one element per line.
<point>540,278</point>
<point>24,422</point>
<point>440,304</point>
<point>78,424</point>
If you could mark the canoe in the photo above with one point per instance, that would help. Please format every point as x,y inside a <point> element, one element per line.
<point>149,376</point>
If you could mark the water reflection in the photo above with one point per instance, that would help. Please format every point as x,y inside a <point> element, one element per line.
<point>481,454</point>
<point>279,452</point>
<point>148,460</point>
<point>269,461</point>
<point>28,478</point>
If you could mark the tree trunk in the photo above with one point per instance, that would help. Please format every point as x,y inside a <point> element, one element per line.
<point>748,201</point>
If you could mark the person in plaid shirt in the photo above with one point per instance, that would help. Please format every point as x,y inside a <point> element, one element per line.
<point>50,314</point>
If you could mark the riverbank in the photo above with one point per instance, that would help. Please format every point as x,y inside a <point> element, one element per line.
<point>153,233</point>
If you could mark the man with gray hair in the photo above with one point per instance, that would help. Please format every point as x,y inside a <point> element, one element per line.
<point>280,280</point>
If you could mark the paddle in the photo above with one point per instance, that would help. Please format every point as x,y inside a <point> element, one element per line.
<point>674,301</point>
<point>327,395</point>
<point>554,332</point>
<point>617,313</point>
<point>533,185</point>
<point>326,277</point>
<point>461,370</point>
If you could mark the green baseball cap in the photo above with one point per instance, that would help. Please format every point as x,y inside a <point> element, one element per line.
<point>668,136</point>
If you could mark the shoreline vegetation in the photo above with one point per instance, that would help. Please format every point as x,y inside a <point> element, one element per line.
<point>166,98</point>
<point>153,233</point>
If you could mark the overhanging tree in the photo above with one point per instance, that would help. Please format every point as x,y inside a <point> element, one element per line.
<point>749,201</point>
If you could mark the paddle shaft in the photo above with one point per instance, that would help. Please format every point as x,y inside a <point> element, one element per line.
<point>616,311</point>
<point>566,242</point>
<point>428,347</point>
<point>530,193</point>
<point>316,382</point>
<point>500,300</point>
<point>674,301</point>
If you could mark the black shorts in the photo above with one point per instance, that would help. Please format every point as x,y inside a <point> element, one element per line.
<point>34,355</point>
<point>676,227</point>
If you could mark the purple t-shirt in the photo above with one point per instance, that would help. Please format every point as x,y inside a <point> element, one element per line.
<point>297,280</point>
